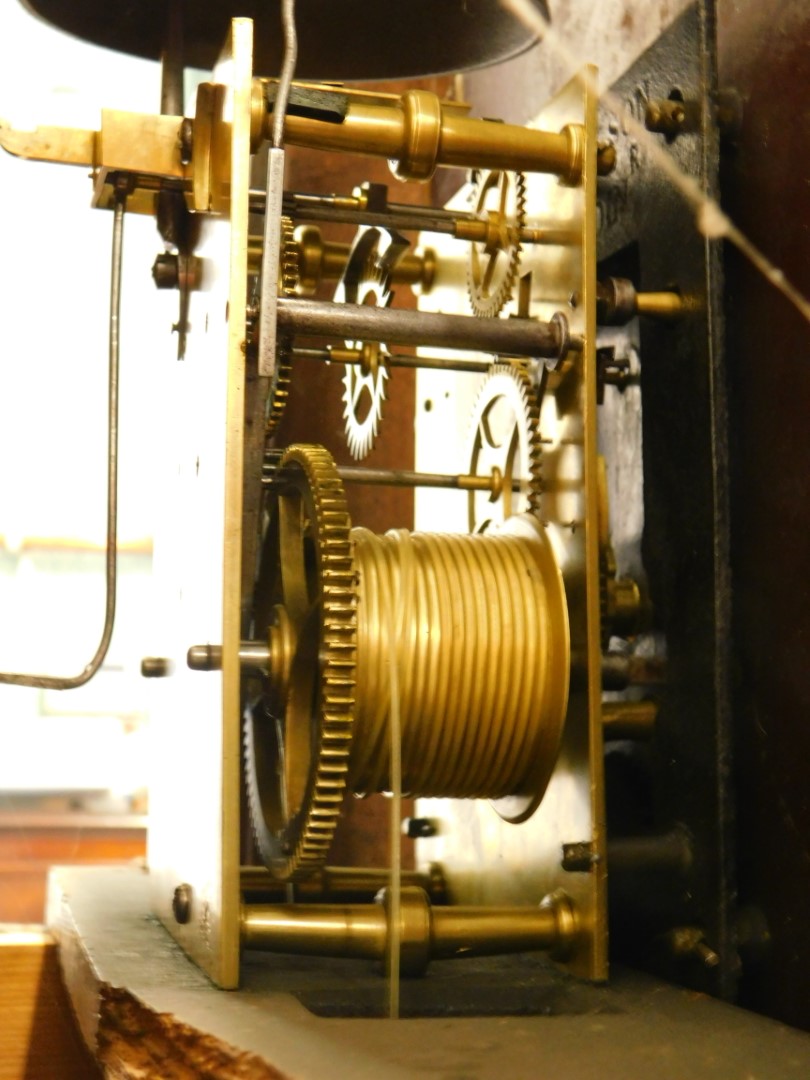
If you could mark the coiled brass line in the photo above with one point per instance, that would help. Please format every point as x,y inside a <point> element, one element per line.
<point>482,662</point>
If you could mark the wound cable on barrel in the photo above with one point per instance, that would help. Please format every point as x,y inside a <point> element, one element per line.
<point>480,666</point>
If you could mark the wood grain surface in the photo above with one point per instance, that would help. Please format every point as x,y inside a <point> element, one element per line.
<point>38,1036</point>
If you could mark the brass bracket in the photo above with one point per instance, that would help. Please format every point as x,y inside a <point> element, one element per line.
<point>142,145</point>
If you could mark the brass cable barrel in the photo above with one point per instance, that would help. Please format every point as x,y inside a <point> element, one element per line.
<point>482,659</point>
<point>447,653</point>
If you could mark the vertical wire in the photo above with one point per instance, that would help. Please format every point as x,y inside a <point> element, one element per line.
<point>396,632</point>
<point>710,218</point>
<point>395,812</point>
<point>289,60</point>
<point>274,189</point>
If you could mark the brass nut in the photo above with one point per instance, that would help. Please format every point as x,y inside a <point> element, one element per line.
<point>567,923</point>
<point>665,116</point>
<point>181,904</point>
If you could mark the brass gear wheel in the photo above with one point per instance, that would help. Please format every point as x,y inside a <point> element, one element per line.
<point>297,737</point>
<point>288,273</point>
<point>500,201</point>
<point>505,435</point>
<point>366,280</point>
<point>282,372</point>
<point>457,615</point>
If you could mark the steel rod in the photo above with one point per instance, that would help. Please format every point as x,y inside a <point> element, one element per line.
<point>619,672</point>
<point>56,682</point>
<point>359,474</point>
<point>506,337</point>
<point>331,355</point>
<point>171,61</point>
<point>397,216</point>
<point>667,852</point>
<point>349,210</point>
<point>253,655</point>
<point>629,719</point>
<point>338,884</point>
<point>288,62</point>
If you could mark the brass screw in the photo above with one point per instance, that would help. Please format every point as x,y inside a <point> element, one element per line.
<point>418,827</point>
<point>605,157</point>
<point>186,141</point>
<point>181,904</point>
<point>665,116</point>
<point>691,941</point>
<point>155,667</point>
<point>578,857</point>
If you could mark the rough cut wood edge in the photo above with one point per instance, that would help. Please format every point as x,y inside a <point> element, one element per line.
<point>129,1040</point>
<point>134,1043</point>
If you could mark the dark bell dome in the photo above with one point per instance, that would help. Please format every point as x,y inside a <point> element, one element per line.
<point>338,39</point>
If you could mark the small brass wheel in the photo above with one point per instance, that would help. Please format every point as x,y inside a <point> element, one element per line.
<point>500,201</point>
<point>366,280</point>
<point>297,736</point>
<point>279,387</point>
<point>505,436</point>
<point>282,371</point>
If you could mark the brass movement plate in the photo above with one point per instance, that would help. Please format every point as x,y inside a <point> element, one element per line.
<point>194,807</point>
<point>485,859</point>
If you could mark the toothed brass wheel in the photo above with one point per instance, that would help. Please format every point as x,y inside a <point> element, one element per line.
<point>500,201</point>
<point>366,280</point>
<point>505,436</point>
<point>282,372</point>
<point>297,737</point>
<point>279,387</point>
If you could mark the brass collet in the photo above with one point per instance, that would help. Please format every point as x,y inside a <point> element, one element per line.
<point>417,132</point>
<point>425,932</point>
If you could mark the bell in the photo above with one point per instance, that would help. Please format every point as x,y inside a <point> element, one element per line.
<point>337,39</point>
